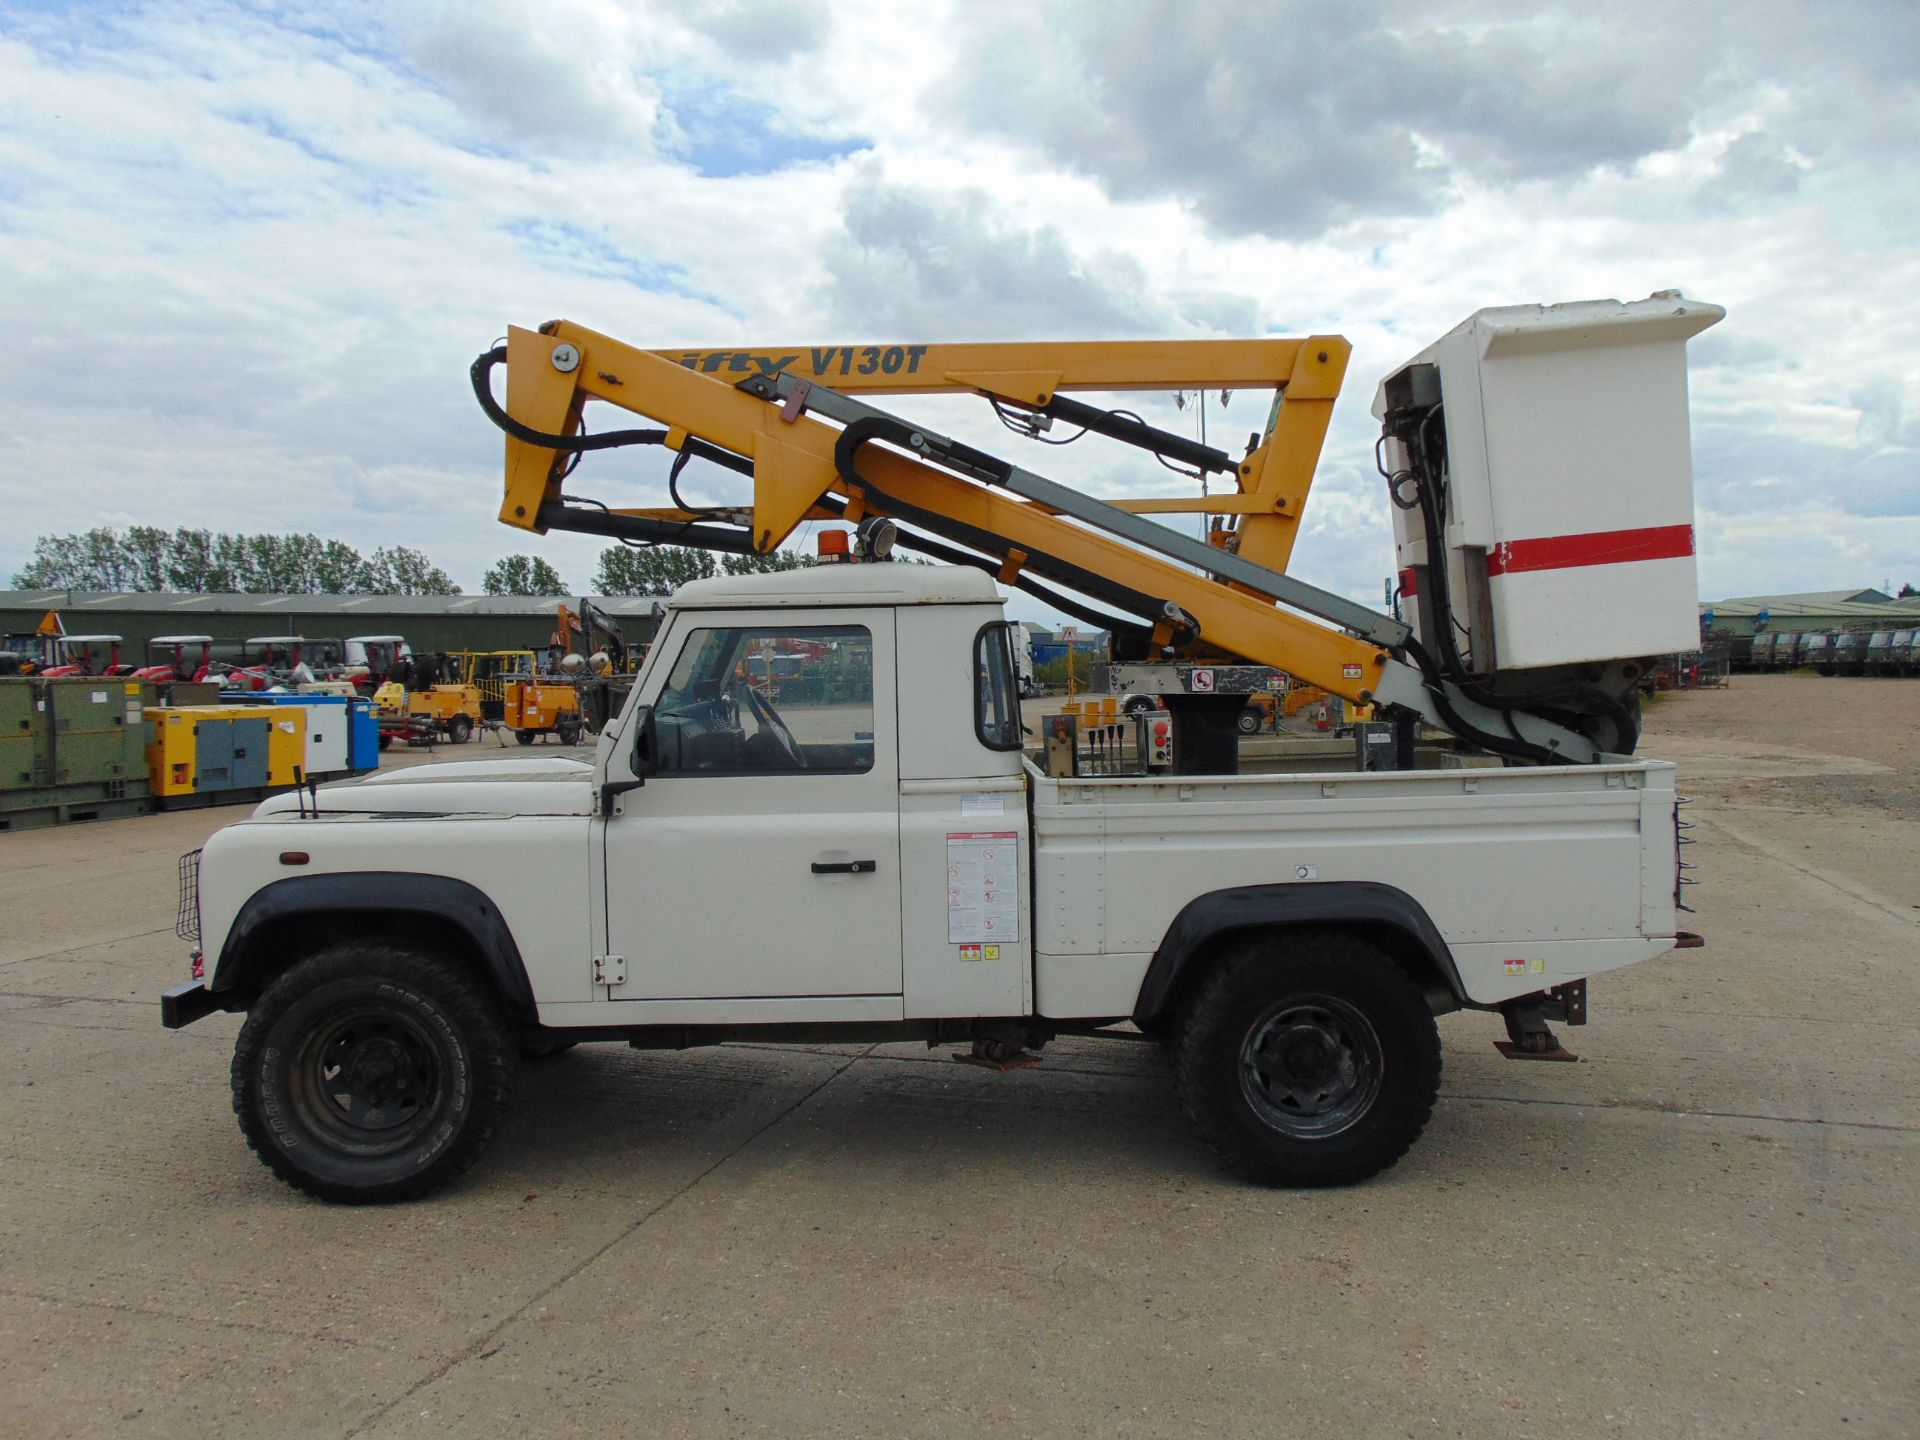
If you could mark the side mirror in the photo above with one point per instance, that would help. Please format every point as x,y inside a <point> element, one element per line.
<point>645,761</point>
<point>646,742</point>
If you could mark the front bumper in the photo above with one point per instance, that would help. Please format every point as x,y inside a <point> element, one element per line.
<point>184,1004</point>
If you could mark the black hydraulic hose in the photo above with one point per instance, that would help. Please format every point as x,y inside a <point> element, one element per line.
<point>861,432</point>
<point>1452,666</point>
<point>481,372</point>
<point>732,540</point>
<point>1130,429</point>
<point>646,531</point>
<point>1517,748</point>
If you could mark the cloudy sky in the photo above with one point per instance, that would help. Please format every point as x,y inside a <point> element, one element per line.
<point>247,251</point>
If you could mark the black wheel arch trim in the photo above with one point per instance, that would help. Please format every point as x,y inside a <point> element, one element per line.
<point>436,897</point>
<point>1261,907</point>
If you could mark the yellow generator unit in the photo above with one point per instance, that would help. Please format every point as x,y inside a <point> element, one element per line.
<point>210,749</point>
<point>542,707</point>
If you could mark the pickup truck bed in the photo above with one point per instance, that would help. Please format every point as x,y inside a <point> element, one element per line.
<point>1532,877</point>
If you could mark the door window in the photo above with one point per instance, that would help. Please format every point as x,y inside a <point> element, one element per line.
<point>768,699</point>
<point>996,705</point>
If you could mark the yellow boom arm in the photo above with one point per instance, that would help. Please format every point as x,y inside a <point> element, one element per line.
<point>551,373</point>
<point>794,420</point>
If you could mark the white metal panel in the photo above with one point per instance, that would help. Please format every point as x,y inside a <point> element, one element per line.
<point>710,891</point>
<point>779,1010</point>
<point>533,868</point>
<point>1499,858</point>
<point>947,980</point>
<point>327,738</point>
<point>938,740</point>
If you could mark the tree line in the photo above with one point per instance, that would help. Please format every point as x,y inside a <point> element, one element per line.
<point>148,558</point>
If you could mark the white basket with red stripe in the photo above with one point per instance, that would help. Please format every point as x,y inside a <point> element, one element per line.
<point>1569,528</point>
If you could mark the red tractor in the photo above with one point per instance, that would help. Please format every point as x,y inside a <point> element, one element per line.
<point>87,655</point>
<point>172,658</point>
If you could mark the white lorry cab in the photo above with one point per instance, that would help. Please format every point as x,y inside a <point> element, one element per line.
<point>816,819</point>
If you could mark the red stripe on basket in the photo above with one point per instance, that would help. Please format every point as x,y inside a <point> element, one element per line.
<point>1601,547</point>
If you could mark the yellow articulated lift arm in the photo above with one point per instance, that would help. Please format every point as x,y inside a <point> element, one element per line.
<point>793,420</point>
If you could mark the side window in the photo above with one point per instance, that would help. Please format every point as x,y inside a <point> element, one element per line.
<point>996,703</point>
<point>768,699</point>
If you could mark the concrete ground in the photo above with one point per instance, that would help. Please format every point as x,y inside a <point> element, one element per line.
<point>1708,1227</point>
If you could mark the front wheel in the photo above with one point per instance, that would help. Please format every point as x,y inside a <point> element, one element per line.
<point>458,729</point>
<point>1308,1058</point>
<point>1248,721</point>
<point>370,1073</point>
<point>525,737</point>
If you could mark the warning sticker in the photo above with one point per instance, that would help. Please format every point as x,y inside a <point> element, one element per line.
<point>983,888</point>
<point>1202,682</point>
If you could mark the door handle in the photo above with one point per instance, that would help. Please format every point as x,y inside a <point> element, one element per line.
<point>845,867</point>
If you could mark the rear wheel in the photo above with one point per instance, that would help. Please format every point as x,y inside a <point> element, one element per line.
<point>1248,722</point>
<point>458,729</point>
<point>385,741</point>
<point>571,729</point>
<point>1308,1058</point>
<point>525,737</point>
<point>369,1073</point>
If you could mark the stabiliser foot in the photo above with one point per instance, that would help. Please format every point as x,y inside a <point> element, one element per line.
<point>1517,1052</point>
<point>1528,1035</point>
<point>999,1056</point>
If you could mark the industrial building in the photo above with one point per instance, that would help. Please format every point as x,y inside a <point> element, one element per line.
<point>429,622</point>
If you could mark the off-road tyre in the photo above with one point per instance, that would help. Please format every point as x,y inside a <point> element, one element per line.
<point>424,1063</point>
<point>1321,997</point>
<point>458,729</point>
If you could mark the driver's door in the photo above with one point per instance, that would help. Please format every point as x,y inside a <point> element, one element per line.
<point>762,858</point>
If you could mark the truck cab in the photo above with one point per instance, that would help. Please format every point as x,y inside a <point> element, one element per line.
<point>808,782</point>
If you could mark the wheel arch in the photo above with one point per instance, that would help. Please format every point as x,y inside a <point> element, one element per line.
<point>289,919</point>
<point>1207,924</point>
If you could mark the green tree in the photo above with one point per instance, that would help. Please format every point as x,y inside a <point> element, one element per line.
<point>650,570</point>
<point>522,575</point>
<point>1054,672</point>
<point>774,563</point>
<point>400,570</point>
<point>145,557</point>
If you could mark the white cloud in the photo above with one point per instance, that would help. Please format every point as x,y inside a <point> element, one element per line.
<point>250,254</point>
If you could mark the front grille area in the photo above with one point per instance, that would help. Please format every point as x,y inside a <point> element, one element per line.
<point>186,923</point>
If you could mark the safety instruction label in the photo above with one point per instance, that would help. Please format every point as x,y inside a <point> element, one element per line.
<point>983,886</point>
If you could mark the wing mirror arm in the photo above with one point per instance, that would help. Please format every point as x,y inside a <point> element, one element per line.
<point>645,749</point>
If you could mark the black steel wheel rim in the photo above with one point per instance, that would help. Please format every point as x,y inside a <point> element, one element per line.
<point>369,1078</point>
<point>1311,1066</point>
